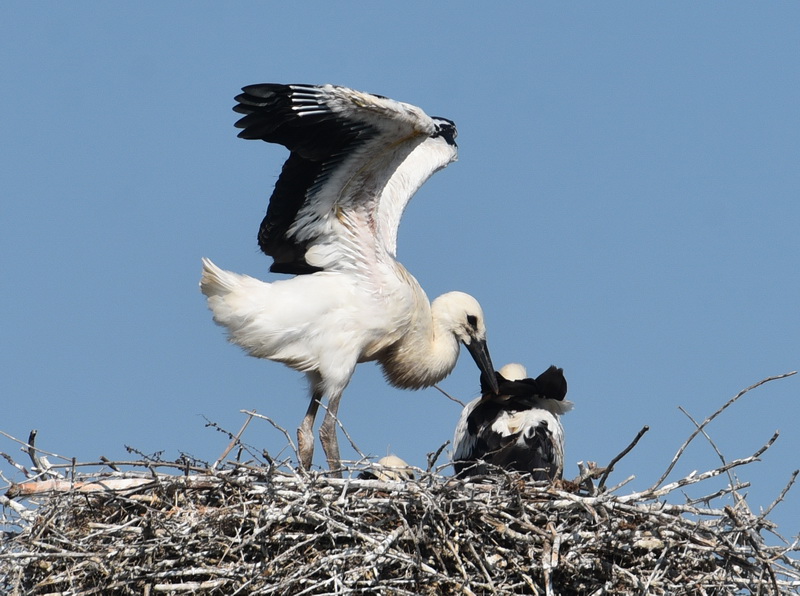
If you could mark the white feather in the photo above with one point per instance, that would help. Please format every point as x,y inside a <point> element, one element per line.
<point>361,305</point>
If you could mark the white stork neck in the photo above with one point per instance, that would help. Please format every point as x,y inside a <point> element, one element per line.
<point>426,354</point>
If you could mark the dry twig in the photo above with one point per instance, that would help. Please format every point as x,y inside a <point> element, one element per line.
<point>708,420</point>
<point>246,528</point>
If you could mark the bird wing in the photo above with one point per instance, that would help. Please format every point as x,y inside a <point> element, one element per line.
<point>551,384</point>
<point>527,441</point>
<point>340,195</point>
<point>464,438</point>
<point>504,433</point>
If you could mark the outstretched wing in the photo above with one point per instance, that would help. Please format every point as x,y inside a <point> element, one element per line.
<point>356,159</point>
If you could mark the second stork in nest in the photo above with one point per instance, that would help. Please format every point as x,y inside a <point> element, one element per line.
<point>519,429</point>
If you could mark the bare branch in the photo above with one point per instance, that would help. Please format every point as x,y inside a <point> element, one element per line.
<point>731,480</point>
<point>781,496</point>
<point>693,478</point>
<point>154,526</point>
<point>278,427</point>
<point>708,420</point>
<point>432,457</point>
<point>623,453</point>
<point>233,443</point>
<point>26,447</point>
<point>450,397</point>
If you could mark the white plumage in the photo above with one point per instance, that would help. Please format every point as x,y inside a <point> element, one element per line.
<point>389,469</point>
<point>355,161</point>
<point>519,429</point>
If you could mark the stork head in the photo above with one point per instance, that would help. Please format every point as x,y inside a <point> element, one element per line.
<point>388,469</point>
<point>463,316</point>
<point>513,371</point>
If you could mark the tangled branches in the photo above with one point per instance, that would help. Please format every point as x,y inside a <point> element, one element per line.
<point>149,527</point>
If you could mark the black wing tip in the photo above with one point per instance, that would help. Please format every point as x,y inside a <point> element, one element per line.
<point>551,384</point>
<point>263,115</point>
<point>271,112</point>
<point>294,268</point>
<point>259,98</point>
<point>263,90</point>
<point>258,92</point>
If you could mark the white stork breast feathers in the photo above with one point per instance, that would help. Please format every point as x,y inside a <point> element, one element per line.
<point>519,429</point>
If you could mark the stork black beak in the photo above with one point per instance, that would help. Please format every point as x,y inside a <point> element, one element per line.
<point>480,354</point>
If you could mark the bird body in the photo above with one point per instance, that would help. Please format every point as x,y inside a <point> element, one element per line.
<point>411,339</point>
<point>519,429</point>
<point>388,469</point>
<point>355,161</point>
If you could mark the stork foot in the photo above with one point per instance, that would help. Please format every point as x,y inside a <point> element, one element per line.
<point>305,447</point>
<point>305,434</point>
<point>330,444</point>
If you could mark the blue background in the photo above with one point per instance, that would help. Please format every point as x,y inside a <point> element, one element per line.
<point>625,206</point>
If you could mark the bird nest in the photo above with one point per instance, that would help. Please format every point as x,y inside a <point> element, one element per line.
<point>252,525</point>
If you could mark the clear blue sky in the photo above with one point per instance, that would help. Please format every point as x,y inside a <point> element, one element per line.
<point>625,206</point>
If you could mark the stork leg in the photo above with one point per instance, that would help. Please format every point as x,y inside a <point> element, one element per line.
<point>328,438</point>
<point>305,434</point>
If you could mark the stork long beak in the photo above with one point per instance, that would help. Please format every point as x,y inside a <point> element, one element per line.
<point>480,354</point>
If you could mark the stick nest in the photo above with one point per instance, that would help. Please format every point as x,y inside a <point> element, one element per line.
<point>152,527</point>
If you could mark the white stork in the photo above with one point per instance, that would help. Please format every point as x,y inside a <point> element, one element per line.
<point>355,161</point>
<point>388,469</point>
<point>519,429</point>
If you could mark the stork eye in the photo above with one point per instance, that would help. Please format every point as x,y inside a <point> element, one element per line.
<point>472,321</point>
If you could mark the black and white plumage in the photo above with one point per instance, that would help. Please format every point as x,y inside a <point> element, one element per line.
<point>355,161</point>
<point>519,429</point>
<point>353,155</point>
